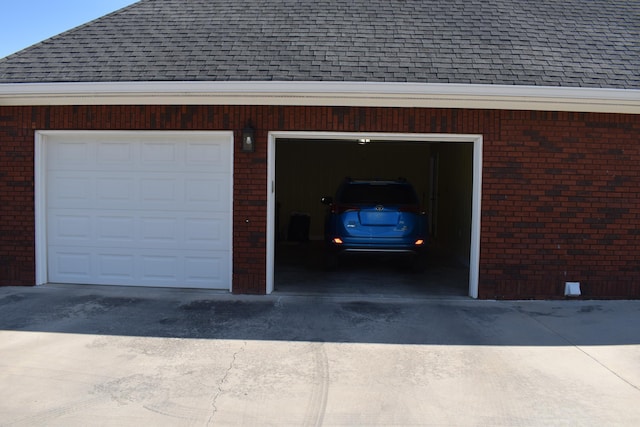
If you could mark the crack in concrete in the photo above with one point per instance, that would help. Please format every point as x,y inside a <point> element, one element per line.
<point>214,407</point>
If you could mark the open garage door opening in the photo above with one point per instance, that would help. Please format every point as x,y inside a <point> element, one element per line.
<point>442,169</point>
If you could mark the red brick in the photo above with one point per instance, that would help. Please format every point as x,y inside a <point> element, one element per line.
<point>528,213</point>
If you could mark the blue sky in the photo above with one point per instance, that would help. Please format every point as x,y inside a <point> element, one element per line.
<point>26,22</point>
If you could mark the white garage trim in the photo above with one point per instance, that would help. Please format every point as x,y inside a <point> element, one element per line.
<point>474,259</point>
<point>159,237</point>
<point>318,93</point>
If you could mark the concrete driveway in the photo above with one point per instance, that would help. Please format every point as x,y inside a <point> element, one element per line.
<point>88,355</point>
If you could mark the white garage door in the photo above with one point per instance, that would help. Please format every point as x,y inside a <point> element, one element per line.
<point>145,209</point>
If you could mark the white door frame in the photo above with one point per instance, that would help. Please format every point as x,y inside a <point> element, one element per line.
<point>40,184</point>
<point>476,140</point>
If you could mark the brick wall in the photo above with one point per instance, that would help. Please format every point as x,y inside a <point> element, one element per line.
<point>560,190</point>
<point>560,203</point>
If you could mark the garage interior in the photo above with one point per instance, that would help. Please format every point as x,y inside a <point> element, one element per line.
<point>308,169</point>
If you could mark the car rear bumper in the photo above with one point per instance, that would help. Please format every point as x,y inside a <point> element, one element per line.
<point>377,248</point>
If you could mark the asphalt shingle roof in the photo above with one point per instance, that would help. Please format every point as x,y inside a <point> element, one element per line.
<point>572,43</point>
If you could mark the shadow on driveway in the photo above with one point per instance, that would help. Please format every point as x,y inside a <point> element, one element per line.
<point>152,312</point>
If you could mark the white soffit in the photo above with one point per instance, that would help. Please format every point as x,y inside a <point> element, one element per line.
<point>371,94</point>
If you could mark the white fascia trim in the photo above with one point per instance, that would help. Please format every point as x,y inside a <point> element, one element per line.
<point>374,94</point>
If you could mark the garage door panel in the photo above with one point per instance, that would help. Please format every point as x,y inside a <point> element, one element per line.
<point>115,155</point>
<point>102,267</point>
<point>151,210</point>
<point>158,190</point>
<point>71,227</point>
<point>159,268</point>
<point>70,154</point>
<point>114,228</point>
<point>161,156</point>
<point>207,193</point>
<point>149,153</point>
<point>203,270</point>
<point>163,268</point>
<point>70,265</point>
<point>138,229</point>
<point>203,233</point>
<point>116,268</point>
<point>71,188</point>
<point>199,155</point>
<point>116,190</point>
<point>161,231</point>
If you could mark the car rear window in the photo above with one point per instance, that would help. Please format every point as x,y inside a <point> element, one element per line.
<point>377,193</point>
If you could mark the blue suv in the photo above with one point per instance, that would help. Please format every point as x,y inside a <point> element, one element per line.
<point>374,216</point>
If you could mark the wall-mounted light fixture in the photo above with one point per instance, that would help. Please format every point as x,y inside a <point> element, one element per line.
<point>363,141</point>
<point>248,139</point>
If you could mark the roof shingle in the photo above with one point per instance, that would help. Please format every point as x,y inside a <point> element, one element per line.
<point>571,43</point>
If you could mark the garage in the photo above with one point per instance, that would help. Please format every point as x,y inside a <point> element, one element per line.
<point>134,208</point>
<point>444,170</point>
